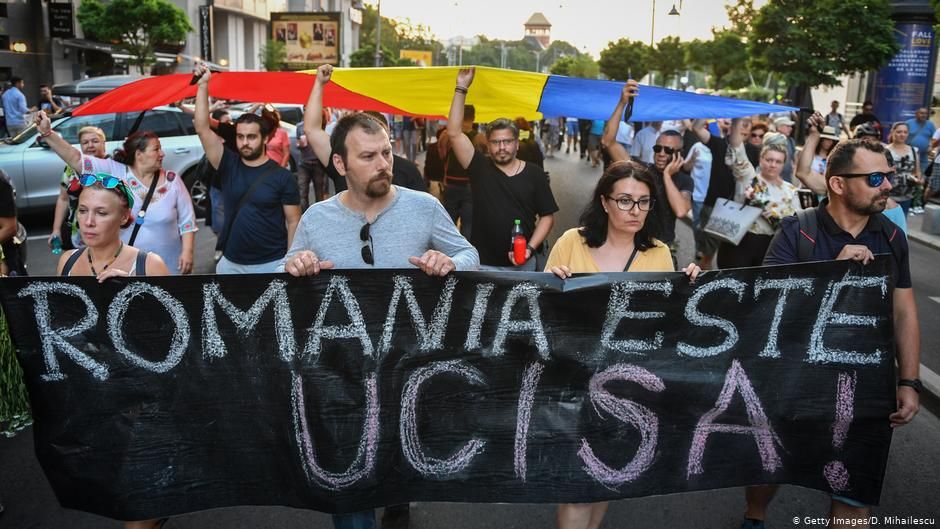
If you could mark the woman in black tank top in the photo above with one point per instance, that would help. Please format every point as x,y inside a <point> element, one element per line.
<point>104,208</point>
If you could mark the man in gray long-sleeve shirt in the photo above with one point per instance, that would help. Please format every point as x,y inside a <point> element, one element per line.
<point>373,223</point>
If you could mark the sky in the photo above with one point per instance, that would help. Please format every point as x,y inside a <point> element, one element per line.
<point>587,24</point>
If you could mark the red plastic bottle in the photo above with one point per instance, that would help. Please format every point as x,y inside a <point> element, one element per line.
<point>518,243</point>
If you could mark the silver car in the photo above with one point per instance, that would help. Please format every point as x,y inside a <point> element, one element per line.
<point>36,171</point>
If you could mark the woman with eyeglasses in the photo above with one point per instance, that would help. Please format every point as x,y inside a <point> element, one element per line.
<point>104,208</point>
<point>777,199</point>
<point>756,136</point>
<point>614,236</point>
<point>162,206</point>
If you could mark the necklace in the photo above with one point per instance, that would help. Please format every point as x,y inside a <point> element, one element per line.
<point>111,262</point>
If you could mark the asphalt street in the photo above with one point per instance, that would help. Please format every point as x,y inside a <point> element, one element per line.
<point>910,488</point>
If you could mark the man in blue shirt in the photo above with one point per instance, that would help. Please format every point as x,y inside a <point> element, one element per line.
<point>850,226</point>
<point>14,106</point>
<point>921,131</point>
<point>262,202</point>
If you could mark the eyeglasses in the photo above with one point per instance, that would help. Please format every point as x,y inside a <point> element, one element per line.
<point>107,181</point>
<point>626,204</point>
<point>660,148</point>
<point>875,178</point>
<point>757,135</point>
<point>500,143</point>
<point>364,236</point>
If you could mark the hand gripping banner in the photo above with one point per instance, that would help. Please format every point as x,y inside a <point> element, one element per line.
<point>357,389</point>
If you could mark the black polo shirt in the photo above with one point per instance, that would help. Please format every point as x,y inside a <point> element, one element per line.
<point>830,239</point>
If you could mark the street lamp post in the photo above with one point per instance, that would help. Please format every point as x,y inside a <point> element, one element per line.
<point>378,34</point>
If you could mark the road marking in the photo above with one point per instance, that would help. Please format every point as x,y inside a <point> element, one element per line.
<point>935,298</point>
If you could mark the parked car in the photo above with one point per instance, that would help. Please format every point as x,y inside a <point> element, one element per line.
<point>36,171</point>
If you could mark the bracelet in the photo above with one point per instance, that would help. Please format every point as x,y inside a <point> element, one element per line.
<point>46,134</point>
<point>531,249</point>
<point>460,89</point>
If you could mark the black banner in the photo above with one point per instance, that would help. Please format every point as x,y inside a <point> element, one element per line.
<point>357,389</point>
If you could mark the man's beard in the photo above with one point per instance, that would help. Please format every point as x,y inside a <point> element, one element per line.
<point>873,207</point>
<point>252,154</point>
<point>379,185</point>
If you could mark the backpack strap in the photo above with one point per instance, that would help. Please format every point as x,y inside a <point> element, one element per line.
<point>71,261</point>
<point>140,266</point>
<point>806,238</point>
<point>891,233</point>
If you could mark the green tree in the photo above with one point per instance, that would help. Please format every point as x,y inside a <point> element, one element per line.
<point>719,57</point>
<point>741,13</point>
<point>396,35</point>
<point>137,26</point>
<point>812,42</point>
<point>273,55</point>
<point>579,66</point>
<point>625,57</point>
<point>364,57</point>
<point>668,58</point>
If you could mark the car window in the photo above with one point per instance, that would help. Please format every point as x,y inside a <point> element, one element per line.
<point>187,122</point>
<point>163,123</point>
<point>68,128</point>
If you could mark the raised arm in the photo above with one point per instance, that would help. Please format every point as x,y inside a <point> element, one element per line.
<point>609,139</point>
<point>70,155</point>
<point>459,142</point>
<point>804,161</point>
<point>700,127</point>
<point>318,139</point>
<point>186,109</point>
<point>211,142</point>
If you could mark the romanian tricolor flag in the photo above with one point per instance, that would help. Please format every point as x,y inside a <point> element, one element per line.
<point>495,93</point>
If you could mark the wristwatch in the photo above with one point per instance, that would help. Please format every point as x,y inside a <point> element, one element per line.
<point>912,383</point>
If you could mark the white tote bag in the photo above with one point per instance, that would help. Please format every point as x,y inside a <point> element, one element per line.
<point>730,220</point>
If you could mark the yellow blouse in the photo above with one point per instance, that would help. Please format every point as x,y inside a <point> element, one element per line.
<point>571,250</point>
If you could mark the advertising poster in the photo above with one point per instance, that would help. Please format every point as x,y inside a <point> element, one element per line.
<point>311,39</point>
<point>906,82</point>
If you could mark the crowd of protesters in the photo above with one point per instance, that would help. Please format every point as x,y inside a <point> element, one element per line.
<point>125,215</point>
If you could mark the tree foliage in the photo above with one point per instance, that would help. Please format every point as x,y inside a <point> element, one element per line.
<point>812,42</point>
<point>719,57</point>
<point>137,26</point>
<point>273,55</point>
<point>396,35</point>
<point>741,13</point>
<point>625,57</point>
<point>364,57</point>
<point>576,66</point>
<point>668,58</point>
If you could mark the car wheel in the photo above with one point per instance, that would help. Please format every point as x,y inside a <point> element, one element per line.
<point>199,191</point>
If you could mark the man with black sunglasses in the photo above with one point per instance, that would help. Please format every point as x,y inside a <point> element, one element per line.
<point>674,186</point>
<point>849,225</point>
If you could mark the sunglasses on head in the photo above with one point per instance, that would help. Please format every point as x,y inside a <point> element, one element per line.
<point>875,179</point>
<point>364,236</point>
<point>108,182</point>
<point>662,148</point>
